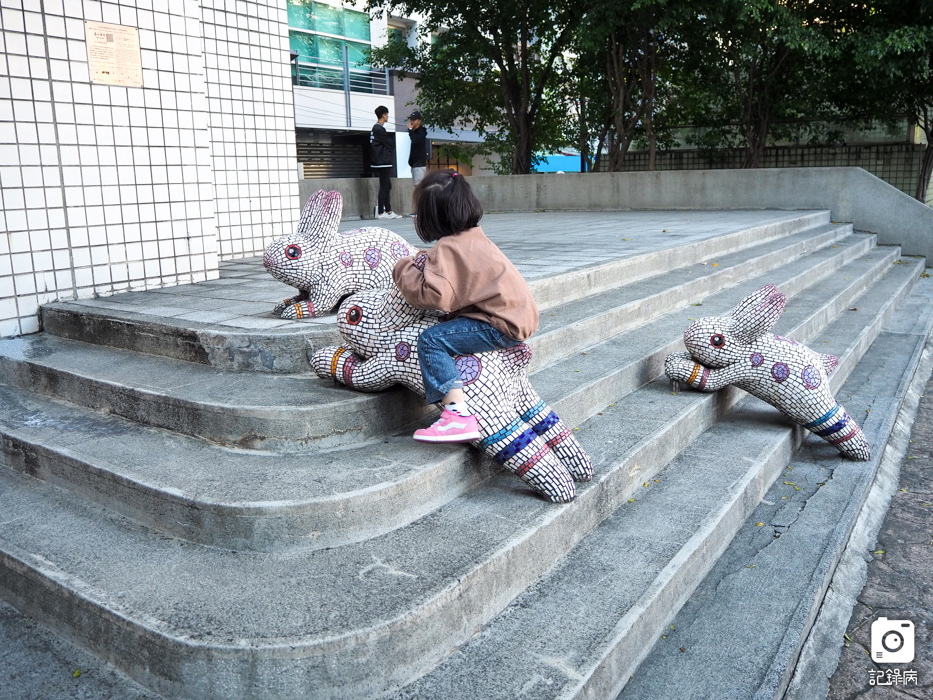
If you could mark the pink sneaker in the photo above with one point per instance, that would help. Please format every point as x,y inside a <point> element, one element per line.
<point>450,427</point>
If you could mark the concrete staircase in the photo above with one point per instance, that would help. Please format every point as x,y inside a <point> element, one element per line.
<point>197,510</point>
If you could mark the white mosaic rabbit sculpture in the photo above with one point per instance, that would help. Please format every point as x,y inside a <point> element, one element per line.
<point>738,350</point>
<point>324,265</point>
<point>520,431</point>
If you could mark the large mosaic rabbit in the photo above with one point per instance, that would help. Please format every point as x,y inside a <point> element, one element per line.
<point>520,431</point>
<point>737,349</point>
<point>324,265</point>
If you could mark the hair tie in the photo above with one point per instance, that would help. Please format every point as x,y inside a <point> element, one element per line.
<point>454,173</point>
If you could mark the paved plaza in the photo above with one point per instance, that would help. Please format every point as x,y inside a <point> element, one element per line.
<point>539,244</point>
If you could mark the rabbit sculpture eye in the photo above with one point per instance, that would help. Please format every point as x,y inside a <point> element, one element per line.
<point>738,349</point>
<point>519,430</point>
<point>325,265</point>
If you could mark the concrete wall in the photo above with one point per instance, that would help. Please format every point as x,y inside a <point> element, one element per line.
<point>852,194</point>
<point>359,194</point>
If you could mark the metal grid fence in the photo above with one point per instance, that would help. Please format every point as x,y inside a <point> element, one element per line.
<point>897,164</point>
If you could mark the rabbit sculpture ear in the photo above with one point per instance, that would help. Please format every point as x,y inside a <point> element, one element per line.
<point>752,300</point>
<point>321,215</point>
<point>757,313</point>
<point>307,212</point>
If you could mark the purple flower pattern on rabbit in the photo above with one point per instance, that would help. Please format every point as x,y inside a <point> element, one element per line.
<point>519,430</point>
<point>324,265</point>
<point>738,349</point>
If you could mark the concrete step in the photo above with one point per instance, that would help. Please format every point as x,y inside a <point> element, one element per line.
<point>773,578</point>
<point>635,357</point>
<point>271,501</point>
<point>185,322</point>
<point>288,412</point>
<point>555,290</point>
<point>575,325</point>
<point>281,412</point>
<point>582,629</point>
<point>364,618</point>
<point>40,665</point>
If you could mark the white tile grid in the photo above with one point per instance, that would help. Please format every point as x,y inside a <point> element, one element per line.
<point>251,122</point>
<point>128,166</point>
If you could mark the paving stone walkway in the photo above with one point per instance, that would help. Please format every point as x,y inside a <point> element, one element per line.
<point>900,581</point>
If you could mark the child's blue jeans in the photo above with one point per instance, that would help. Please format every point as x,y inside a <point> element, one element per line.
<point>439,344</point>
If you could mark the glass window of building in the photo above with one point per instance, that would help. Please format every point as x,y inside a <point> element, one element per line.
<point>318,32</point>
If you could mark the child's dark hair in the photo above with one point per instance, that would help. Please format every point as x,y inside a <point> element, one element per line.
<point>380,110</point>
<point>444,205</point>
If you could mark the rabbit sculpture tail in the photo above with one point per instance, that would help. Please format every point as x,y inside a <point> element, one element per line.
<point>519,430</point>
<point>325,265</point>
<point>738,349</point>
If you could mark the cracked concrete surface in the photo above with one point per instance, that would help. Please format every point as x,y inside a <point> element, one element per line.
<point>900,578</point>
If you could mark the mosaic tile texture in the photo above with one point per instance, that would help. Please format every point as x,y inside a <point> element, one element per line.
<point>519,430</point>
<point>738,349</point>
<point>325,265</point>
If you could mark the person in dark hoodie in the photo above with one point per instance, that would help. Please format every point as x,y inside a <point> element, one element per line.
<point>382,147</point>
<point>418,156</point>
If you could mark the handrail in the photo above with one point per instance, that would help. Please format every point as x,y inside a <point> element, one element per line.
<point>310,74</point>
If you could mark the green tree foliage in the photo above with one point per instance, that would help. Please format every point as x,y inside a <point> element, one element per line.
<point>625,52</point>
<point>884,66</point>
<point>755,69</point>
<point>492,64</point>
<point>538,75</point>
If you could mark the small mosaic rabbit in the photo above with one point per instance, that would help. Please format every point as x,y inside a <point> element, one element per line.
<point>738,350</point>
<point>520,431</point>
<point>324,265</point>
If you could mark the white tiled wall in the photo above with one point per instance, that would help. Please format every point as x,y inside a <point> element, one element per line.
<point>252,122</point>
<point>105,189</point>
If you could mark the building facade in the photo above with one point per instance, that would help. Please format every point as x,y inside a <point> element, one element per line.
<point>336,91</point>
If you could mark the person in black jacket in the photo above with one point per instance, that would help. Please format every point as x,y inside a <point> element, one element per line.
<point>418,157</point>
<point>382,148</point>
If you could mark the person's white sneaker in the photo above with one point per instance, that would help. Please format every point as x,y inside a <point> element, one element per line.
<point>385,215</point>
<point>396,216</point>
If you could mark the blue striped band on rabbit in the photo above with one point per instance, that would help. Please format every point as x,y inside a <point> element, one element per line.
<point>500,434</point>
<point>533,411</point>
<point>826,417</point>
<point>519,443</point>
<point>549,422</point>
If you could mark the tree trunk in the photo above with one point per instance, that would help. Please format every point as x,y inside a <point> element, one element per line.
<point>623,83</point>
<point>649,88</point>
<point>584,137</point>
<point>757,125</point>
<point>757,139</point>
<point>926,170</point>
<point>521,159</point>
